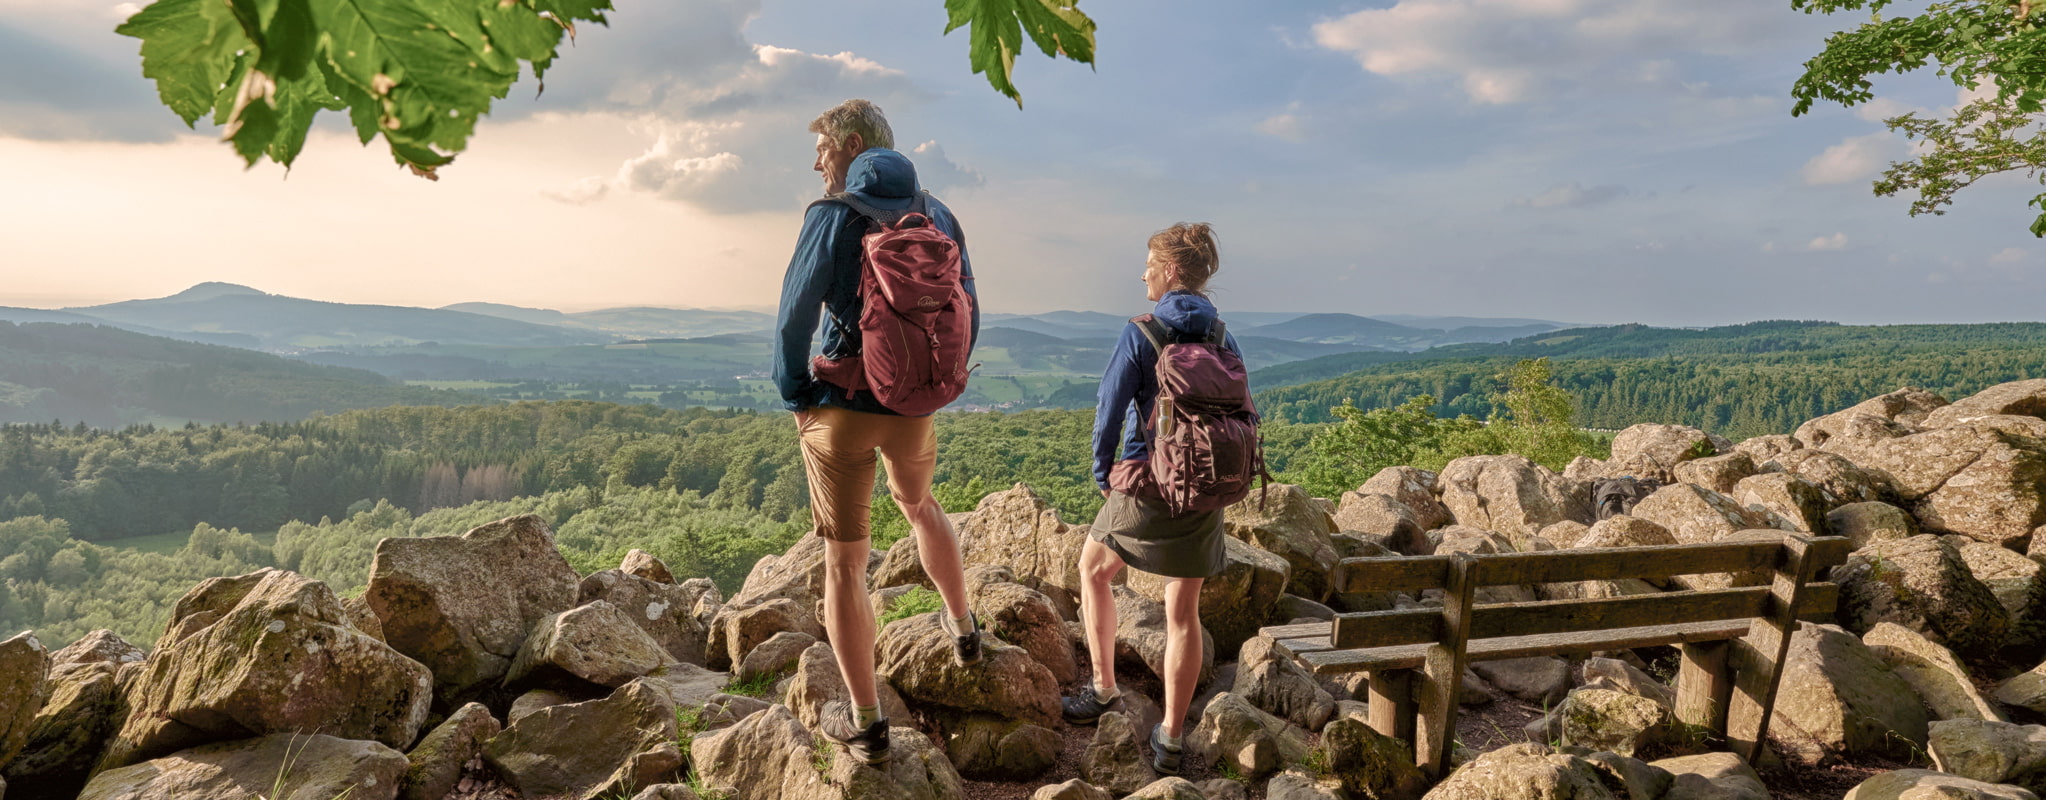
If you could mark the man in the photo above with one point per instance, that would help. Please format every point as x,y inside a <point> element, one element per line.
<point>841,429</point>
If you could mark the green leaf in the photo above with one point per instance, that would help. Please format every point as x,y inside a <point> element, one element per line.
<point>188,48</point>
<point>1058,27</point>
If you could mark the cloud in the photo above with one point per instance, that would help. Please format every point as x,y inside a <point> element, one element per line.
<point>1512,51</point>
<point>937,172</point>
<point>1837,241</point>
<point>1282,126</point>
<point>1572,195</point>
<point>1856,158</point>
<point>2008,255</point>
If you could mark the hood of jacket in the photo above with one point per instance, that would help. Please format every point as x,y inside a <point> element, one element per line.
<point>882,174</point>
<point>1186,313</point>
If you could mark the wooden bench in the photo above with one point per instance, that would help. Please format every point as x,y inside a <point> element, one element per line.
<point>1416,657</point>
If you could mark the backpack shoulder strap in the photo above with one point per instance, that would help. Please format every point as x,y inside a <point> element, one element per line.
<point>1218,335</point>
<point>865,209</point>
<point>1153,330</point>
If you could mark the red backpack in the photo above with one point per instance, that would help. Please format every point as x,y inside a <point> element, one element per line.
<point>1205,450</point>
<point>916,322</point>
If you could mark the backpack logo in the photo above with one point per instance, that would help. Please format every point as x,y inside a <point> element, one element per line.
<point>916,318</point>
<point>1205,449</point>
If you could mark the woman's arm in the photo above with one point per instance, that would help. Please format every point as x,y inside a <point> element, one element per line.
<point>1119,385</point>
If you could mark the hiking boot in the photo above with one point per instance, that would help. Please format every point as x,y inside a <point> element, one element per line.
<point>966,646</point>
<point>1084,707</point>
<point>1164,757</point>
<point>870,746</point>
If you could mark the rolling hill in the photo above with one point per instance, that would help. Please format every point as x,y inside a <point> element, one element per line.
<point>286,324</point>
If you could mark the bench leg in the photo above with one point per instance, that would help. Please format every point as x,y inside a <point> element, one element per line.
<point>1392,704</point>
<point>1704,686</point>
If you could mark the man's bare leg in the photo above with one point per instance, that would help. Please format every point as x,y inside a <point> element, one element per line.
<point>849,619</point>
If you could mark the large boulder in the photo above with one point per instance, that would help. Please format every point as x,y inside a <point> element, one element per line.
<point>991,748</point>
<point>2019,584</point>
<point>1650,450</point>
<point>1909,406</point>
<point>1991,752</point>
<point>915,655</point>
<point>747,760</point>
<point>1525,771</point>
<point>817,682</point>
<point>903,565</point>
<point>436,762</point>
<point>1140,634</point>
<point>1074,789</point>
<point>1923,584</point>
<point>1285,521</point>
<point>572,747</point>
<point>1840,479</point>
<point>1932,670</point>
<point>597,642</point>
<point>1171,789</point>
<point>1384,519</point>
<point>2026,690</point>
<point>1787,496</point>
<point>1838,700</point>
<point>1620,676</point>
<point>1274,682</point>
<point>1914,784</point>
<point>83,708</point>
<point>736,629</point>
<point>98,647</point>
<point>1613,721</point>
<point>1369,764</point>
<point>653,766</point>
<point>462,605</point>
<point>1026,618</point>
<point>24,688</point>
<point>1511,494</point>
<point>1973,478</point>
<point>1021,530</point>
<point>1711,776</point>
<point>916,770</point>
<point>1249,740</point>
<point>1719,473</point>
<point>268,652</point>
<point>1696,515</point>
<point>642,564</point>
<point>1114,761</point>
<point>664,610</point>
<point>1764,449</point>
<point>305,767</point>
<point>1417,489</point>
<point>1536,679</point>
<point>1869,522</point>
<point>1235,603</point>
<point>1625,530</point>
<point>2026,398</point>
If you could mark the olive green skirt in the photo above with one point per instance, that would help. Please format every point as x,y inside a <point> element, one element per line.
<point>1149,538</point>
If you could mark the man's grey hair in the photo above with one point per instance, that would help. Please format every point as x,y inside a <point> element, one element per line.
<point>854,116</point>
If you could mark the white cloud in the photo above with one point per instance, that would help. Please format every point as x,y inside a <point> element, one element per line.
<point>1510,51</point>
<point>1856,158</point>
<point>1572,195</point>
<point>1282,126</point>
<point>1837,241</point>
<point>2008,255</point>
<point>937,172</point>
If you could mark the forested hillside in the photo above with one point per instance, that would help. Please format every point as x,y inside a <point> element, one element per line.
<point>108,378</point>
<point>1739,381</point>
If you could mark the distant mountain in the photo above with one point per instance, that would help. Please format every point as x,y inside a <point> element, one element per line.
<point>1339,329</point>
<point>287,324</point>
<point>109,377</point>
<point>638,322</point>
<point>1452,323</point>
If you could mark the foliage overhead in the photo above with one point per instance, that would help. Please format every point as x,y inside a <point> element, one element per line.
<point>419,73</point>
<point>1978,44</point>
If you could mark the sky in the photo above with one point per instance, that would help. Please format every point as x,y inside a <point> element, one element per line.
<point>1594,161</point>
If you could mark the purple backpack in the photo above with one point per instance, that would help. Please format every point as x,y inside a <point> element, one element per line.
<point>1205,450</point>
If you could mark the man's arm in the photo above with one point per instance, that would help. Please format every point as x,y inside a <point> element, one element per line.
<point>802,301</point>
<point>966,272</point>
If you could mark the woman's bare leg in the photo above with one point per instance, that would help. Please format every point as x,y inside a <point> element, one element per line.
<point>1183,649</point>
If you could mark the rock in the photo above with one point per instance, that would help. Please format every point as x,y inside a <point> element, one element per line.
<point>1222,789</point>
<point>1971,479</point>
<point>81,712</point>
<point>1792,498</point>
<point>666,791</point>
<point>1909,406</point>
<point>1624,677</point>
<point>436,762</point>
<point>1511,494</point>
<point>1624,531</point>
<point>1838,699</point>
<point>1719,473</point>
<point>1253,742</point>
<point>268,652</point>
<point>536,699</point>
<point>1631,775</point>
<point>1603,719</point>
<point>656,765</point>
<point>780,594</point>
<point>1913,784</point>
<point>1284,521</point>
<point>1697,516</point>
<point>1991,752</point>
<point>641,564</point>
<point>1649,450</point>
<point>1114,761</point>
<point>1140,633</point>
<point>1026,618</point>
<point>1537,679</point>
<point>1711,776</point>
<point>1557,536</point>
<point>775,657</point>
<point>1417,489</point>
<point>596,642</point>
<point>2025,398</point>
<point>725,710</point>
<point>1074,789</point>
<point>1022,531</point>
<point>1384,519</point>
<point>2019,584</point>
<point>665,611</point>
<point>570,748</point>
<point>1921,583</point>
<point>1524,772</point>
<point>1293,606</point>
<point>1841,479</point>
<point>24,688</point>
<point>916,770</point>
<point>1292,785</point>
<point>1368,764</point>
<point>1167,789</point>
<point>1234,604</point>
<point>749,759</point>
<point>315,767</point>
<point>1932,670</point>
<point>706,605</point>
<point>98,647</point>
<point>462,605</point>
<point>1275,683</point>
<point>2027,691</point>
<point>1584,468</point>
<point>1764,449</point>
<point>745,628</point>
<point>1870,522</point>
<point>995,749</point>
<point>688,685</point>
<point>902,566</point>
<point>915,655</point>
<point>817,681</point>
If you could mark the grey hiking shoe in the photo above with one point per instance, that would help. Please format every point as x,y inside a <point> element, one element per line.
<point>1085,707</point>
<point>1164,757</point>
<point>870,745</point>
<point>966,646</point>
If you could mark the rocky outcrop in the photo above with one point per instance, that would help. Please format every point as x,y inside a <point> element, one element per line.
<point>1912,784</point>
<point>1932,670</point>
<point>83,708</point>
<point>1234,604</point>
<point>436,762</point>
<point>2026,398</point>
<point>569,748</point>
<point>1020,530</point>
<point>2019,584</point>
<point>1417,489</point>
<point>1251,741</point>
<point>595,642</point>
<point>1922,584</point>
<point>306,767</point>
<point>24,688</point>
<point>1972,479</point>
<point>1284,521</point>
<point>1625,530</point>
<point>462,605</point>
<point>1511,494</point>
<point>915,655</point>
<point>1838,699</point>
<point>665,611</point>
<point>1764,449</point>
<point>1170,789</point>
<point>1620,676</point>
<point>267,652</point>
<point>1114,761</point>
<point>1991,752</point>
<point>1909,406</point>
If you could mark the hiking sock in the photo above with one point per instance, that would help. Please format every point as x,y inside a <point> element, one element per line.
<point>960,626</point>
<point>864,716</point>
<point>1170,740</point>
<point>1107,695</point>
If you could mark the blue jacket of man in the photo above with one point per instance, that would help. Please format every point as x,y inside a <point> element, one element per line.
<point>1129,388</point>
<point>824,275</point>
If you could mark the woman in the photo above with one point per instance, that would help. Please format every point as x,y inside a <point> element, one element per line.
<point>1135,527</point>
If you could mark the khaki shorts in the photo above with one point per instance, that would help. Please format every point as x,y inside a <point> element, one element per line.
<point>838,455</point>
